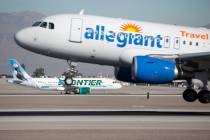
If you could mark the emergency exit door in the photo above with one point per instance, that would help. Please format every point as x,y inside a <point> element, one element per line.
<point>76,30</point>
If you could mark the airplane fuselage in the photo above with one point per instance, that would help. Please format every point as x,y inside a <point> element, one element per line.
<point>58,83</point>
<point>110,41</point>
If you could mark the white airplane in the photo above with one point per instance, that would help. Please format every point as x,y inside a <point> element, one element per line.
<point>77,85</point>
<point>139,51</point>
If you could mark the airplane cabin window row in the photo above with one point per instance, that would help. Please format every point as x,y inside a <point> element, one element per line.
<point>183,42</point>
<point>190,43</point>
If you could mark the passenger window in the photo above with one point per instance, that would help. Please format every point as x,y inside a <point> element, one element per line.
<point>44,25</point>
<point>184,42</point>
<point>51,25</point>
<point>36,23</point>
<point>190,42</point>
<point>196,43</point>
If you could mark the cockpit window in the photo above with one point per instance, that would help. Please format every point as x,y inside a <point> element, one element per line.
<point>36,23</point>
<point>51,25</point>
<point>44,25</point>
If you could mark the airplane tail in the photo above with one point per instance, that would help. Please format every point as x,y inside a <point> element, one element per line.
<point>18,72</point>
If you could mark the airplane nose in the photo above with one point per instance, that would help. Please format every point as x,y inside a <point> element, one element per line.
<point>24,38</point>
<point>20,37</point>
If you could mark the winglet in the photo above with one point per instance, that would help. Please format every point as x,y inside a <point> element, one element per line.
<point>82,12</point>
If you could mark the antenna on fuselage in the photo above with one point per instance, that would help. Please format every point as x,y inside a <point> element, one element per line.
<point>82,12</point>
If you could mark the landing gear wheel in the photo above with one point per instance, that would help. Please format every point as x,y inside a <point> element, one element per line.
<point>190,95</point>
<point>204,96</point>
<point>77,91</point>
<point>67,92</point>
<point>68,81</point>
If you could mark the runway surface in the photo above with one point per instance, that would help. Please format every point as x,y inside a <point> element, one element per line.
<point>123,114</point>
<point>99,102</point>
<point>127,98</point>
<point>105,127</point>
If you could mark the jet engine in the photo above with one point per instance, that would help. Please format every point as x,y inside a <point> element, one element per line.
<point>153,70</point>
<point>123,74</point>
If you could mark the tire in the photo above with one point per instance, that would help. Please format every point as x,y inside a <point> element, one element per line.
<point>190,95</point>
<point>68,81</point>
<point>204,96</point>
<point>67,92</point>
<point>75,90</point>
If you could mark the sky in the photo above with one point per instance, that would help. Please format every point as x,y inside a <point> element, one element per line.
<point>181,12</point>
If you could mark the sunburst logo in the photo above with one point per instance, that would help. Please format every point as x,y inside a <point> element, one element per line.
<point>132,28</point>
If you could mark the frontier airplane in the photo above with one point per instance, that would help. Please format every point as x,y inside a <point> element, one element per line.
<point>78,85</point>
<point>139,51</point>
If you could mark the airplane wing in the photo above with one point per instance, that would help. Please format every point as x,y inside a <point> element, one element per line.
<point>197,57</point>
<point>191,62</point>
<point>196,62</point>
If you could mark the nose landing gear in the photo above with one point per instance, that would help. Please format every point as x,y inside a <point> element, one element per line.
<point>72,72</point>
<point>68,81</point>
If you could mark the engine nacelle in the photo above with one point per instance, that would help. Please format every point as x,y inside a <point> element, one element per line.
<point>123,74</point>
<point>153,70</point>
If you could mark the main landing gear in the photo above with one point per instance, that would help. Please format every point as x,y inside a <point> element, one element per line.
<point>190,94</point>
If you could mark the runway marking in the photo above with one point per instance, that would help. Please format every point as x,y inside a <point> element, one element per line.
<point>101,113</point>
<point>148,118</point>
<point>137,106</point>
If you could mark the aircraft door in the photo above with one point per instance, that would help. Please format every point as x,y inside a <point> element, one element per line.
<point>76,30</point>
<point>167,41</point>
